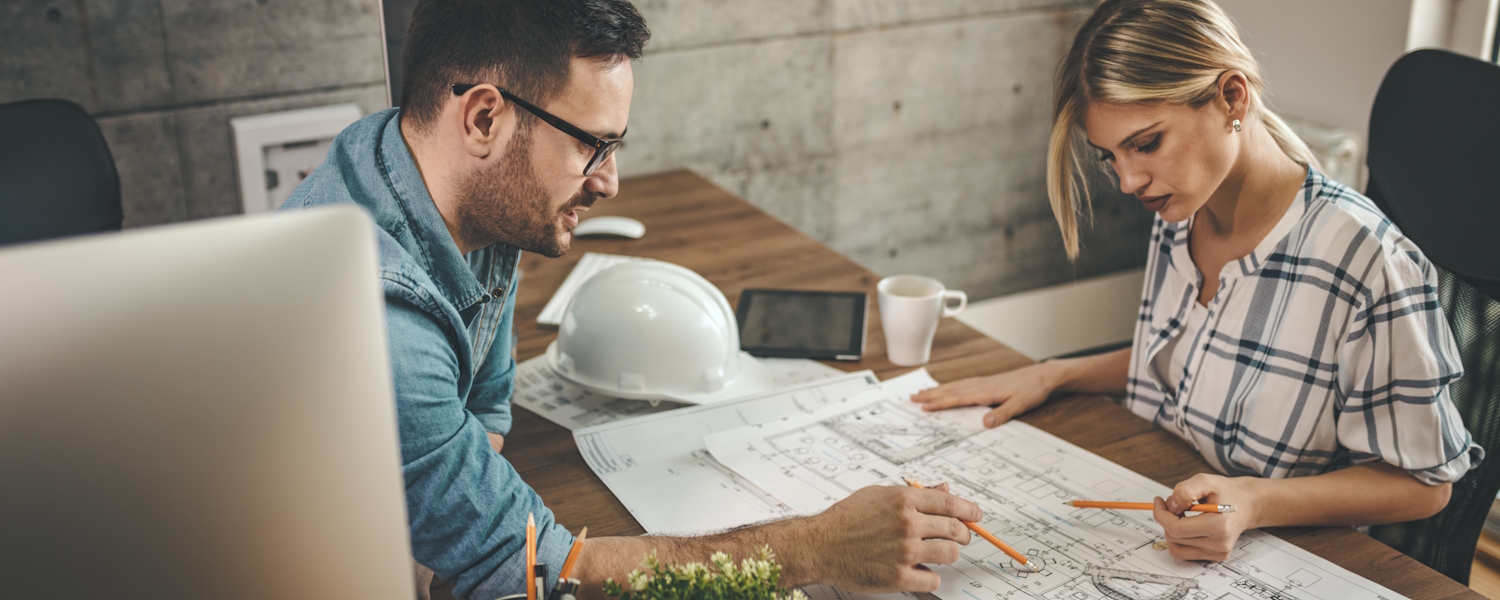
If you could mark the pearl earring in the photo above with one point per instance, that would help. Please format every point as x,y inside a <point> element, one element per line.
<point>1236,124</point>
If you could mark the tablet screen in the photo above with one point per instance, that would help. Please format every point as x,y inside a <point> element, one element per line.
<point>802,324</point>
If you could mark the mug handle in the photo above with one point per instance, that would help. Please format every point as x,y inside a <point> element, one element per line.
<point>952,311</point>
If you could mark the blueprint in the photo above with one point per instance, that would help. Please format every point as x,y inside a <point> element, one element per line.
<point>540,390</point>
<point>639,458</point>
<point>1020,476</point>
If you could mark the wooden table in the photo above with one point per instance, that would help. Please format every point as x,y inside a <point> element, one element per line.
<point>691,222</point>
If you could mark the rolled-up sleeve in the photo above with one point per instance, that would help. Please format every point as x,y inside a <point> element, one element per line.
<point>1395,367</point>
<point>466,505</point>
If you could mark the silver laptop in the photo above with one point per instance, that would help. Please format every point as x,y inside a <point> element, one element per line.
<point>200,411</point>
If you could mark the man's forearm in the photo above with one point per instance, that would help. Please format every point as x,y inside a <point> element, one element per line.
<point>615,557</point>
<point>876,540</point>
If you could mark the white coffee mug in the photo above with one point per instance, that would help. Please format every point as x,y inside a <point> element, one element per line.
<point>910,306</point>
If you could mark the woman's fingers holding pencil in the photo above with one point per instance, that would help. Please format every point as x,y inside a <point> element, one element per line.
<point>1194,538</point>
<point>1203,487</point>
<point>1207,536</point>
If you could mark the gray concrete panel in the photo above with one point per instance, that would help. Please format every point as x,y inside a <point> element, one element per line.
<point>145,150</point>
<point>949,77</point>
<point>106,56</point>
<point>799,194</point>
<point>220,49</point>
<point>863,14</point>
<point>941,135</point>
<point>1019,254</point>
<point>755,117</point>
<point>207,143</point>
<point>686,23</point>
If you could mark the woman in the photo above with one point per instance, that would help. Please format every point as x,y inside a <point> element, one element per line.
<point>1287,330</point>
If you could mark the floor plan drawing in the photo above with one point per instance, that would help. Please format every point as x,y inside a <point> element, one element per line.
<point>540,390</point>
<point>1020,476</point>
<point>658,468</point>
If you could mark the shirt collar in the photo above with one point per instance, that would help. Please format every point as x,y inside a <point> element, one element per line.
<point>434,247</point>
<point>1252,262</point>
<point>1182,259</point>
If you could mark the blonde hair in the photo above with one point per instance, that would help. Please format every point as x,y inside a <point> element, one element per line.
<point>1145,52</point>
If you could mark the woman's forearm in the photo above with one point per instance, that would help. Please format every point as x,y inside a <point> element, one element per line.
<point>1097,374</point>
<point>1370,494</point>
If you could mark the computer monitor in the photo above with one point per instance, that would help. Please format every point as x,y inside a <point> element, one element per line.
<point>200,411</point>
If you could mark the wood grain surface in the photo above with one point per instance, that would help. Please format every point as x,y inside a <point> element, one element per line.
<point>691,222</point>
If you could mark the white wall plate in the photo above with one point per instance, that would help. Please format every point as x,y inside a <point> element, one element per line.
<point>275,151</point>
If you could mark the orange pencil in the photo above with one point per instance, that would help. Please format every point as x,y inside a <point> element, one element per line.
<point>974,527</point>
<point>567,568</point>
<point>530,556</point>
<point>1203,508</point>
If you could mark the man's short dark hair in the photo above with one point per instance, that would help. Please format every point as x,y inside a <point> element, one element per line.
<point>523,46</point>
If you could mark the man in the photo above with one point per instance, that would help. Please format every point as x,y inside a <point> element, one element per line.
<point>510,115</point>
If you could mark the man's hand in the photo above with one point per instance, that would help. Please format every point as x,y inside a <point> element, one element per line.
<point>878,538</point>
<point>497,441</point>
<point>1207,536</point>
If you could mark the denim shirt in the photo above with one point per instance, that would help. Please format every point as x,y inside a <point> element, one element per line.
<point>448,318</point>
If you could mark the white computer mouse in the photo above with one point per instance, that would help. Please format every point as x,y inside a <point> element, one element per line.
<point>611,225</point>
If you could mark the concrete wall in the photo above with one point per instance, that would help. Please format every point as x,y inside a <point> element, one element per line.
<point>163,78</point>
<point>907,135</point>
<point>1326,63</point>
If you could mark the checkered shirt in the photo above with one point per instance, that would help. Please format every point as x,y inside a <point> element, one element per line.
<point>1324,347</point>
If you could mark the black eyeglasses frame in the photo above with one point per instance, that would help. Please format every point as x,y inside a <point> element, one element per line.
<point>602,148</point>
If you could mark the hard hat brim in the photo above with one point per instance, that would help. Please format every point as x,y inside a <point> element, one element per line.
<point>753,378</point>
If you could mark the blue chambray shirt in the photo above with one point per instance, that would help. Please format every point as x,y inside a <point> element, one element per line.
<point>448,318</point>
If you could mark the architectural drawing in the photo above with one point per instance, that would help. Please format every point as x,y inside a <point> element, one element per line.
<point>658,468</point>
<point>543,392</point>
<point>1020,476</point>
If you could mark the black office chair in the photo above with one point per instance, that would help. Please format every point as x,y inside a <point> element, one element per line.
<point>57,177</point>
<point>1434,152</point>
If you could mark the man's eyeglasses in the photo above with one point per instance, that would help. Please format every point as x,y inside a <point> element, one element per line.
<point>602,148</point>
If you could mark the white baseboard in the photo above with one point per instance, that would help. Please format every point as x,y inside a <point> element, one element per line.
<point>1060,319</point>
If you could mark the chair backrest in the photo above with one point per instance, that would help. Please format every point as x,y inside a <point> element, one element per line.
<point>57,177</point>
<point>1434,146</point>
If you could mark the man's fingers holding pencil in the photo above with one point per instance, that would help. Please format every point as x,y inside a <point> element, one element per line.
<point>878,537</point>
<point>939,502</point>
<point>928,527</point>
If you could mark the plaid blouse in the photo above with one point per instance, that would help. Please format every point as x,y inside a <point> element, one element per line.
<point>1324,348</point>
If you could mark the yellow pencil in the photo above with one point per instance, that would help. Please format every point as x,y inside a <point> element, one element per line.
<point>567,568</point>
<point>1203,508</point>
<point>530,556</point>
<point>974,527</point>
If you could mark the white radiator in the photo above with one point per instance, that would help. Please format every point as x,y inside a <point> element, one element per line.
<point>1341,151</point>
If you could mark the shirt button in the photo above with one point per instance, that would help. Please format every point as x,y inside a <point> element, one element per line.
<point>498,292</point>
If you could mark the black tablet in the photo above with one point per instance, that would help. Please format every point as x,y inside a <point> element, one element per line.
<point>802,324</point>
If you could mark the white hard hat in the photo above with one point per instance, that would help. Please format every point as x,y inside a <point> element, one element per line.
<point>651,330</point>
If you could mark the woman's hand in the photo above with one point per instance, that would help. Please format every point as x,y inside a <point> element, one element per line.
<point>1015,392</point>
<point>1206,536</point>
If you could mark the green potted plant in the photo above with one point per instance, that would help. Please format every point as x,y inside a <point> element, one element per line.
<point>755,578</point>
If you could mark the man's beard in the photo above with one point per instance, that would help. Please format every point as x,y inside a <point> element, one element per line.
<point>506,203</point>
